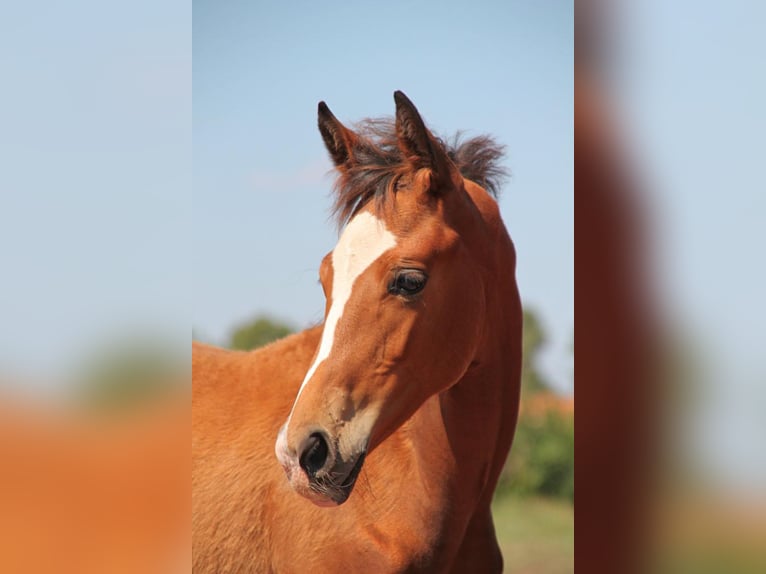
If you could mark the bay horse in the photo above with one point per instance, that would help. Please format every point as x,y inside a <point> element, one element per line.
<point>391,421</point>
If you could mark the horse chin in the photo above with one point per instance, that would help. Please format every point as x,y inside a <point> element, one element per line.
<point>326,495</point>
<point>328,499</point>
<point>321,500</point>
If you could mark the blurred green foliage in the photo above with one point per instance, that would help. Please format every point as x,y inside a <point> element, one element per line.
<point>534,339</point>
<point>541,461</point>
<point>130,372</point>
<point>542,458</point>
<point>257,333</point>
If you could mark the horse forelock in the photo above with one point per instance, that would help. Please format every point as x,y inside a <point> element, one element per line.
<point>379,164</point>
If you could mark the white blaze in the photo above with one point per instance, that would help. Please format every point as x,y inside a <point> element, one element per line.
<point>362,242</point>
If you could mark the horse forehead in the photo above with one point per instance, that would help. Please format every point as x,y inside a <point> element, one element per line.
<point>363,241</point>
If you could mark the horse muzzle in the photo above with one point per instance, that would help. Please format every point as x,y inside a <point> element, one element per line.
<point>317,471</point>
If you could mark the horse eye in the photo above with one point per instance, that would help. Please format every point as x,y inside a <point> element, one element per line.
<point>408,282</point>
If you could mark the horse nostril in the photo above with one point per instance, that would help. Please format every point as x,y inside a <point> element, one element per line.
<point>314,455</point>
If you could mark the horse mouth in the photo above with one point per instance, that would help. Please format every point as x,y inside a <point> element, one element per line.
<point>354,472</point>
<point>339,492</point>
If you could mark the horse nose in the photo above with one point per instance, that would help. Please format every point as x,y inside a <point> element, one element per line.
<point>314,454</point>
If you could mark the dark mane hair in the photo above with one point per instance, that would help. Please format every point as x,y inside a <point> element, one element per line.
<point>379,165</point>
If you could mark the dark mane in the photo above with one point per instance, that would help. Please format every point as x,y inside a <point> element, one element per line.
<point>379,164</point>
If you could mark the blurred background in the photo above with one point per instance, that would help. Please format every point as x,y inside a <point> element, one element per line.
<point>669,123</point>
<point>95,304</point>
<point>262,185</point>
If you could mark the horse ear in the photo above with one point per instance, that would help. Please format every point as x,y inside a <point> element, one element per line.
<point>415,141</point>
<point>338,139</point>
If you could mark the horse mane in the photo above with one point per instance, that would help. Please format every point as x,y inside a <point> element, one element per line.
<point>379,165</point>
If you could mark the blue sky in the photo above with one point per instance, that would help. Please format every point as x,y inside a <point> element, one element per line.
<point>261,183</point>
<point>95,217</point>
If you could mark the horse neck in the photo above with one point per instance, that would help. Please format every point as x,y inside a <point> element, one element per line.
<point>481,409</point>
<point>479,412</point>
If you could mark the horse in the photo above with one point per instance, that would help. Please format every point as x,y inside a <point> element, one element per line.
<point>392,420</point>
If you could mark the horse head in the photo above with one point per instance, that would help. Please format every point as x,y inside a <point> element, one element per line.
<point>406,289</point>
